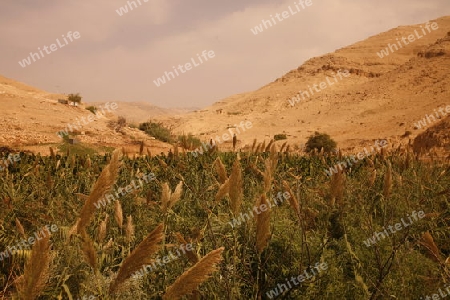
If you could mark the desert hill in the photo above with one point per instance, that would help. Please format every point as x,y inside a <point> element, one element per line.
<point>382,98</point>
<point>138,112</point>
<point>369,90</point>
<point>31,119</point>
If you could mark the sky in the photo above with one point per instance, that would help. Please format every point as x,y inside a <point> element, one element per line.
<point>120,57</point>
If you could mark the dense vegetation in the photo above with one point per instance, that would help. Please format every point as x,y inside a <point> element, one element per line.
<point>325,220</point>
<point>320,141</point>
<point>157,130</point>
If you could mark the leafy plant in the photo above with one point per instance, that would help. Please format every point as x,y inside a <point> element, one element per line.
<point>319,141</point>
<point>157,130</point>
<point>75,98</point>
<point>92,109</point>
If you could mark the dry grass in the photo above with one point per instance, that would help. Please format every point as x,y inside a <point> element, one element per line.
<point>262,225</point>
<point>236,191</point>
<point>221,171</point>
<point>37,271</point>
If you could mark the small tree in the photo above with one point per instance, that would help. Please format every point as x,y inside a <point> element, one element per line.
<point>74,98</point>
<point>319,141</point>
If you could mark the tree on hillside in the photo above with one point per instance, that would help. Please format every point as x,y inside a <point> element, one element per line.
<point>74,98</point>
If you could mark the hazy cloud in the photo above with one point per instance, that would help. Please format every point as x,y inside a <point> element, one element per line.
<point>118,57</point>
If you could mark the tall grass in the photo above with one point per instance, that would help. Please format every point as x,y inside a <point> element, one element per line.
<point>325,220</point>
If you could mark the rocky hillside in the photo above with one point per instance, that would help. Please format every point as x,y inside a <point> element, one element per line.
<point>31,119</point>
<point>382,98</point>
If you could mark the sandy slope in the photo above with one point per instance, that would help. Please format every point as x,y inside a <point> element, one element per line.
<point>31,118</point>
<point>138,112</point>
<point>382,98</point>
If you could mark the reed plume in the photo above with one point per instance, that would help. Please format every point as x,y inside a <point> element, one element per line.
<point>101,186</point>
<point>168,199</point>
<point>292,199</point>
<point>165,196</point>
<point>162,163</point>
<point>283,146</point>
<point>176,195</point>
<point>139,257</point>
<point>387,188</point>
<point>52,153</point>
<point>273,157</point>
<point>191,255</point>
<point>253,146</point>
<point>224,189</point>
<point>74,229</point>
<point>373,177</point>
<point>268,175</point>
<point>89,252</point>
<point>257,148</point>
<point>268,146</point>
<point>129,229</point>
<point>194,276</point>
<point>20,228</point>
<point>37,271</point>
<point>236,188</point>
<point>337,188</point>
<point>288,149</point>
<point>102,229</point>
<point>262,225</point>
<point>428,242</point>
<point>221,171</point>
<point>118,213</point>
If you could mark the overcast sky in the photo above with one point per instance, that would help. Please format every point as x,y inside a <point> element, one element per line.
<point>119,57</point>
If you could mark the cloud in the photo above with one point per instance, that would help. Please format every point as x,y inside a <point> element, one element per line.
<point>119,57</point>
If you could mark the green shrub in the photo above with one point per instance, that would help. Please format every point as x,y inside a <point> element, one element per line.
<point>319,141</point>
<point>189,141</point>
<point>278,137</point>
<point>76,98</point>
<point>157,130</point>
<point>92,109</point>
